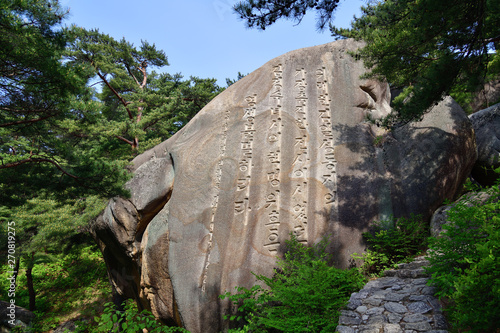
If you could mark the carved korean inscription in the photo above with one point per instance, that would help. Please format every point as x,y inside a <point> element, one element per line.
<point>273,163</point>
<point>301,162</point>
<point>327,150</point>
<point>215,200</point>
<point>241,202</point>
<point>291,171</point>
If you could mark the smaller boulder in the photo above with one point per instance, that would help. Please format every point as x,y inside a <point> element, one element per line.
<point>440,217</point>
<point>67,326</point>
<point>486,124</point>
<point>19,316</point>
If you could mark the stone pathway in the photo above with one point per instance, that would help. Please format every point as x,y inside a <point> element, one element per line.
<point>398,302</point>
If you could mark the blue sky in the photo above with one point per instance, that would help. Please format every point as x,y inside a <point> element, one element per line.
<point>203,38</point>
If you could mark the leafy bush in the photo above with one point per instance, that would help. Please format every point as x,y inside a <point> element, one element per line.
<point>392,242</point>
<point>465,264</point>
<point>305,294</point>
<point>129,321</point>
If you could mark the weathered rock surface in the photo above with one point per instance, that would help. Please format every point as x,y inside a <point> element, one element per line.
<point>486,124</point>
<point>488,95</point>
<point>440,217</point>
<point>285,149</point>
<point>428,160</point>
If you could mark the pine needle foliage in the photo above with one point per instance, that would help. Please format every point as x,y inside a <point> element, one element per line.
<point>263,13</point>
<point>427,48</point>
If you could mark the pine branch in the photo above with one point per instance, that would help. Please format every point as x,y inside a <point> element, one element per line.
<point>120,98</point>
<point>143,67</point>
<point>38,160</point>
<point>19,122</point>
<point>124,140</point>
<point>132,74</point>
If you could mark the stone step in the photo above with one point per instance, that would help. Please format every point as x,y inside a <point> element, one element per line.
<point>407,273</point>
<point>418,262</point>
<point>400,301</point>
<point>413,270</point>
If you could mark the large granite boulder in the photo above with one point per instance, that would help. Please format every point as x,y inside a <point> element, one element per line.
<point>285,149</point>
<point>486,124</point>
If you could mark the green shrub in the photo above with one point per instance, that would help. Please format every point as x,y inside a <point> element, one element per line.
<point>392,242</point>
<point>465,265</point>
<point>129,321</point>
<point>305,294</point>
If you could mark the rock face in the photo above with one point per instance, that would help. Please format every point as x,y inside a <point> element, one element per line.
<point>428,160</point>
<point>486,124</point>
<point>489,94</point>
<point>285,149</point>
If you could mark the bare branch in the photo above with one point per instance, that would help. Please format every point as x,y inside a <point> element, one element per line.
<point>143,67</point>
<point>492,40</point>
<point>132,74</point>
<point>124,140</point>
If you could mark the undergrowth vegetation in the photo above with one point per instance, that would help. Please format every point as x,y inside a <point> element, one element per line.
<point>305,294</point>
<point>391,242</point>
<point>129,321</point>
<point>70,286</point>
<point>465,264</point>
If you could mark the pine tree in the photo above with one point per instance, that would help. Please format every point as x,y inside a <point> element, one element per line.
<point>137,103</point>
<point>65,144</point>
<point>428,48</point>
<point>38,91</point>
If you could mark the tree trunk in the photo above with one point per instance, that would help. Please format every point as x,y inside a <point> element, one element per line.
<point>29,282</point>
<point>16,271</point>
